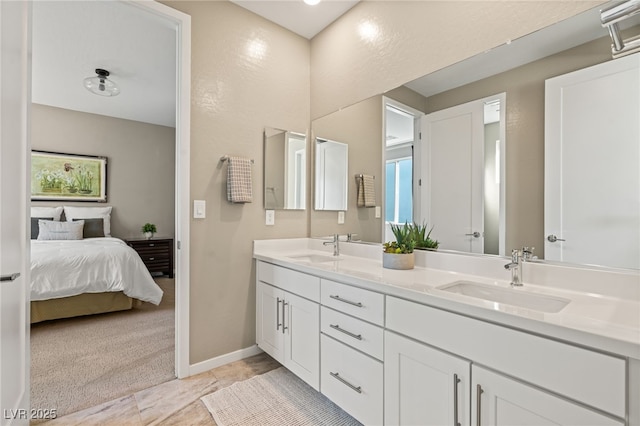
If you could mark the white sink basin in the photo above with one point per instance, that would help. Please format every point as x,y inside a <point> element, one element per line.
<point>507,296</point>
<point>314,258</point>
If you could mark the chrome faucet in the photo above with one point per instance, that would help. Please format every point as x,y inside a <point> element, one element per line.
<point>336,244</point>
<point>515,266</point>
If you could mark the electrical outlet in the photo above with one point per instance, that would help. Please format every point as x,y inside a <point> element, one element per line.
<point>340,218</point>
<point>199,209</point>
<point>377,213</point>
<point>270,217</point>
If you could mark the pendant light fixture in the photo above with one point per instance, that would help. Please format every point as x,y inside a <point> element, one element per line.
<point>101,85</point>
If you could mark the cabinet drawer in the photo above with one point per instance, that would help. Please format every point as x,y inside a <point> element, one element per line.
<point>294,282</point>
<point>587,376</point>
<point>364,304</point>
<point>361,335</point>
<point>352,380</point>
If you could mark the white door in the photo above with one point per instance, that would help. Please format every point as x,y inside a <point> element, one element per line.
<point>592,165</point>
<point>269,320</point>
<point>452,167</point>
<point>505,402</point>
<point>14,296</point>
<point>302,339</point>
<point>424,386</point>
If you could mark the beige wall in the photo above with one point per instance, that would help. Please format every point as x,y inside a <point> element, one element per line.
<point>140,168</point>
<point>415,38</point>
<point>235,95</point>
<point>524,87</point>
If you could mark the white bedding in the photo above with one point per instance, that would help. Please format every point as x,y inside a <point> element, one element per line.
<point>93,265</point>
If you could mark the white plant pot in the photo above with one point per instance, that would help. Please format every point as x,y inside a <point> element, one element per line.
<point>398,261</point>
<point>148,235</point>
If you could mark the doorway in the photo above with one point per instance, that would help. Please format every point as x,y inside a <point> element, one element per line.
<point>181,25</point>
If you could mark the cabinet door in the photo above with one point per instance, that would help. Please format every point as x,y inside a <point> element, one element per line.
<point>497,400</point>
<point>269,320</point>
<point>302,339</point>
<point>424,386</point>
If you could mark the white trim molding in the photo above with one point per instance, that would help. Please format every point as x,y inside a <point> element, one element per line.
<point>218,361</point>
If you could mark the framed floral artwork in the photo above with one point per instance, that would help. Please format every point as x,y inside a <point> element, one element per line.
<point>68,177</point>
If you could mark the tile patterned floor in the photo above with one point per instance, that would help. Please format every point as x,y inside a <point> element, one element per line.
<point>172,403</point>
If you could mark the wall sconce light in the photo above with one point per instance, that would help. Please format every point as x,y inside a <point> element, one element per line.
<point>101,85</point>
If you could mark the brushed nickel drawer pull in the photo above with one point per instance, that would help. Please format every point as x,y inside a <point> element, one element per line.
<point>456,380</point>
<point>348,333</point>
<point>152,258</point>
<point>284,327</point>
<point>479,393</point>
<point>340,299</point>
<point>278,324</point>
<point>337,376</point>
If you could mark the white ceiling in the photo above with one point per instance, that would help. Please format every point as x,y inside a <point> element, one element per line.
<point>73,38</point>
<point>297,16</point>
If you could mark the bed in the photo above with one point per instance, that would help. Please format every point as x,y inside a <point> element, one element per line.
<point>85,276</point>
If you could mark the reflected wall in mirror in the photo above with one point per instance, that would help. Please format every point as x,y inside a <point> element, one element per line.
<point>331,170</point>
<point>285,174</point>
<point>586,44</point>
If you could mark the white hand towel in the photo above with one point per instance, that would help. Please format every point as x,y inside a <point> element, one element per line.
<point>239,180</point>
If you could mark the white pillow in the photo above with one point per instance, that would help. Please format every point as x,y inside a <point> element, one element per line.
<point>52,230</point>
<point>53,212</point>
<point>90,213</point>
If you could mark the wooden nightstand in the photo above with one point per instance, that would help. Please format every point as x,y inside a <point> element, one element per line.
<point>157,254</point>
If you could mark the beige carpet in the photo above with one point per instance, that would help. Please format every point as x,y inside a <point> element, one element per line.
<point>275,398</point>
<point>81,362</point>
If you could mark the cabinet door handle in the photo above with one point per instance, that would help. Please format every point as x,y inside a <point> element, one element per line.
<point>348,333</point>
<point>284,327</point>
<point>278,313</point>
<point>340,299</point>
<point>479,393</point>
<point>10,277</point>
<point>152,258</point>
<point>340,379</point>
<point>456,380</point>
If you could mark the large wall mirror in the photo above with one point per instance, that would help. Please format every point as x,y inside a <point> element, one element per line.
<point>513,152</point>
<point>285,169</point>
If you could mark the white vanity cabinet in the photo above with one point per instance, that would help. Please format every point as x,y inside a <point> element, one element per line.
<point>288,325</point>
<point>517,377</point>
<point>500,401</point>
<point>352,349</point>
<point>424,386</point>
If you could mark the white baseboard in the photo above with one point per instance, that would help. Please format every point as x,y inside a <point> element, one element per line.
<point>218,361</point>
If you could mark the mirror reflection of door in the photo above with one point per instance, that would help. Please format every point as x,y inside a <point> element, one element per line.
<point>401,127</point>
<point>592,165</point>
<point>462,170</point>
<point>331,175</point>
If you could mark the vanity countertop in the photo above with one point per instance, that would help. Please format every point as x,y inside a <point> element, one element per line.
<point>604,322</point>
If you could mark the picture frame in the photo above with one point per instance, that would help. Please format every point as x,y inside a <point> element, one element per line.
<point>57,176</point>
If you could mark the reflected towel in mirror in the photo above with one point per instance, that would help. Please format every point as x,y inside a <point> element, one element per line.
<point>239,180</point>
<point>366,190</point>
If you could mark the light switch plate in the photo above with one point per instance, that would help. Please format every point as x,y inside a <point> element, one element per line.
<point>270,217</point>
<point>199,209</point>
<point>340,218</point>
<point>377,213</point>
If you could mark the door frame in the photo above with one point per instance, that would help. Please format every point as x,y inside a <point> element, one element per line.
<point>182,21</point>
<point>417,115</point>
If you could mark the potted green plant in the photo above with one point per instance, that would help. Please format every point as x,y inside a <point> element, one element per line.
<point>148,229</point>
<point>398,254</point>
<point>422,237</point>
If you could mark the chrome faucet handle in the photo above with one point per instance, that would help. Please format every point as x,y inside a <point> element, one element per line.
<point>527,253</point>
<point>351,237</point>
